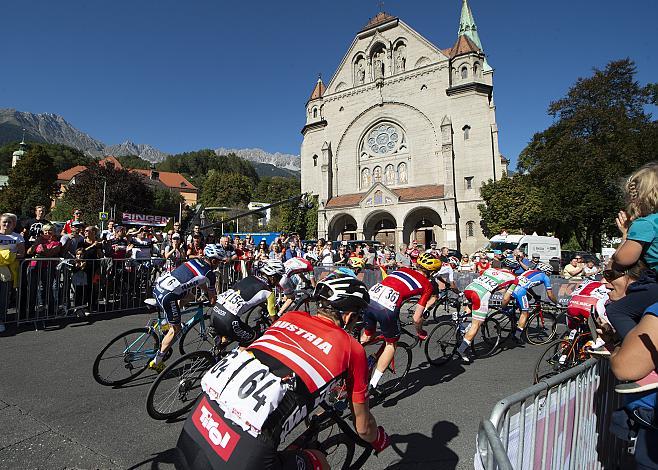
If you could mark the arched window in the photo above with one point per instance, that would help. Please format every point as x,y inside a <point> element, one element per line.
<point>467,131</point>
<point>464,72</point>
<point>315,112</point>
<point>470,229</point>
<point>476,69</point>
<point>315,160</point>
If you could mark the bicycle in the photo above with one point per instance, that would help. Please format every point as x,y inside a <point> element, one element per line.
<point>443,300</point>
<point>541,325</point>
<point>564,353</point>
<point>129,353</point>
<point>178,386</point>
<point>442,342</point>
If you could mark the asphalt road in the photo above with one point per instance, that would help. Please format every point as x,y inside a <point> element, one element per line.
<point>53,414</point>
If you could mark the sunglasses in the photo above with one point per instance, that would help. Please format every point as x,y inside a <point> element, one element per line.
<point>612,274</point>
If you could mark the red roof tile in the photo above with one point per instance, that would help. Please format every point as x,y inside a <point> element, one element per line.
<point>416,193</point>
<point>68,175</point>
<point>380,18</point>
<point>171,180</point>
<point>464,45</point>
<point>318,91</point>
<point>111,159</point>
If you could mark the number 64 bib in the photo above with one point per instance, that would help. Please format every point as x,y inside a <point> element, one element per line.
<point>245,390</point>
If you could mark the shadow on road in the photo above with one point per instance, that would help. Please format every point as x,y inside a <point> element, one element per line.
<point>426,452</point>
<point>168,457</point>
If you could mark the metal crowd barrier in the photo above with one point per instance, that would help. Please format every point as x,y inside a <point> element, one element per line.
<point>560,423</point>
<point>55,288</point>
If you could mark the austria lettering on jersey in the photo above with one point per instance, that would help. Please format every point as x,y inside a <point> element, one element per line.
<point>317,351</point>
<point>408,282</point>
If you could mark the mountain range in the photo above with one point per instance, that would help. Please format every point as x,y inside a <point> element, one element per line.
<point>54,129</point>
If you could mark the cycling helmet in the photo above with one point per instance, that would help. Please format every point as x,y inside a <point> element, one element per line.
<point>509,263</point>
<point>340,272</point>
<point>454,261</point>
<point>429,261</point>
<point>546,268</point>
<point>212,251</point>
<point>356,263</point>
<point>343,293</point>
<point>272,267</point>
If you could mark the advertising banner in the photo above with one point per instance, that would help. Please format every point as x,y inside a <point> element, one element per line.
<point>143,219</point>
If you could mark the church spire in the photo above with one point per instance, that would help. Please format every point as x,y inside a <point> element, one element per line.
<point>467,26</point>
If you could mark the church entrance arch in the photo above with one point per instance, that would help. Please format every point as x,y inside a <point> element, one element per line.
<point>423,225</point>
<point>342,227</point>
<point>380,226</point>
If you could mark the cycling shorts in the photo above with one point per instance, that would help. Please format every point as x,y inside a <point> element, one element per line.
<point>168,302</point>
<point>211,441</point>
<point>479,303</point>
<point>389,321</point>
<point>230,325</point>
<point>521,297</point>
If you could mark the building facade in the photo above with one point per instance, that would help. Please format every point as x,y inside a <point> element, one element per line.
<point>398,143</point>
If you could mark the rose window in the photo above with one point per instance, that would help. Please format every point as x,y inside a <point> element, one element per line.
<point>384,139</point>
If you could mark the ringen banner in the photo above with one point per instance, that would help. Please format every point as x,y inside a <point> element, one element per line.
<point>144,219</point>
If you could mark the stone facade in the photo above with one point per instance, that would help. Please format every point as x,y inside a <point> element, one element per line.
<point>398,143</point>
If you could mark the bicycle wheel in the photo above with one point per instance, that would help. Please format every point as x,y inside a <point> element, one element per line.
<point>442,343</point>
<point>487,339</point>
<point>125,357</point>
<point>196,338</point>
<point>540,328</point>
<point>557,358</point>
<point>253,316</point>
<point>178,386</point>
<point>408,307</point>
<point>398,368</point>
<point>507,325</point>
<point>304,304</point>
<point>339,451</point>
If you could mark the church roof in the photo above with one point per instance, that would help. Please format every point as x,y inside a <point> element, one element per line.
<point>318,91</point>
<point>467,26</point>
<point>379,19</point>
<point>464,45</point>
<point>416,193</point>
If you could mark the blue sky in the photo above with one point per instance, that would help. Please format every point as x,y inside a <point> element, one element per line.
<point>183,75</point>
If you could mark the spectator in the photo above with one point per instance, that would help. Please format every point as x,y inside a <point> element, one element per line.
<point>497,261</point>
<point>250,243</point>
<point>466,265</point>
<point>444,256</point>
<point>174,254</point>
<point>638,224</point>
<point>326,257</point>
<point>524,263</point>
<point>34,226</point>
<point>117,246</point>
<point>141,243</point>
<point>388,262</point>
<point>12,248</point>
<point>342,255</point>
<point>167,242</point>
<point>413,251</point>
<point>226,250</point>
<point>590,270</point>
<point>79,278</point>
<point>93,252</point>
<point>368,254</point>
<point>71,241</point>
<point>482,264</point>
<point>195,247</point>
<point>77,217</point>
<point>108,233</point>
<point>177,229</point>
<point>534,261</point>
<point>402,257</point>
<point>42,279</point>
<point>276,252</point>
<point>293,251</point>
<point>196,230</point>
<point>574,270</point>
<point>263,251</point>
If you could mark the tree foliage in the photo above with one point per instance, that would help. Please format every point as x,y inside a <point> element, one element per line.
<point>601,133</point>
<point>133,161</point>
<point>63,157</point>
<point>226,190</point>
<point>511,204</point>
<point>31,182</point>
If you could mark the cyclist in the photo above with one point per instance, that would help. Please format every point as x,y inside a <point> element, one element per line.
<point>172,288</point>
<point>478,294</point>
<point>386,298</point>
<point>294,278</point>
<point>445,280</point>
<point>254,398</point>
<point>589,296</point>
<point>243,296</point>
<point>522,287</point>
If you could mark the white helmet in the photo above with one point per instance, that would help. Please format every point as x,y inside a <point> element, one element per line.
<point>212,251</point>
<point>271,267</point>
<point>547,268</point>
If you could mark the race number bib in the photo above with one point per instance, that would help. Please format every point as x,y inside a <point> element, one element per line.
<point>523,281</point>
<point>245,390</point>
<point>168,283</point>
<point>231,300</point>
<point>486,282</point>
<point>384,296</point>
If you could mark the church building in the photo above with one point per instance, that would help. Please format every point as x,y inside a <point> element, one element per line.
<point>398,143</point>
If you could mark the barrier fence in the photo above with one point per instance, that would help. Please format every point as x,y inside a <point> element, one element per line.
<point>560,423</point>
<point>53,288</point>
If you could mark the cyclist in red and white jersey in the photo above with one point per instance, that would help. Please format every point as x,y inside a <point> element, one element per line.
<point>589,296</point>
<point>254,398</point>
<point>386,298</point>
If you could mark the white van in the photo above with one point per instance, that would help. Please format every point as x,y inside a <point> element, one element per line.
<point>545,247</point>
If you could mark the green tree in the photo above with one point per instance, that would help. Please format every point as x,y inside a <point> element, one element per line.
<point>31,182</point>
<point>166,201</point>
<point>601,132</point>
<point>126,191</point>
<point>512,204</point>
<point>63,157</point>
<point>226,189</point>
<point>133,161</point>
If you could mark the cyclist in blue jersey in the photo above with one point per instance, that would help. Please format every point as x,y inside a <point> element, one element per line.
<point>523,286</point>
<point>171,288</point>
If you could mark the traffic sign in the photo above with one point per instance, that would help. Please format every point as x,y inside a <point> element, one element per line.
<point>103,216</point>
